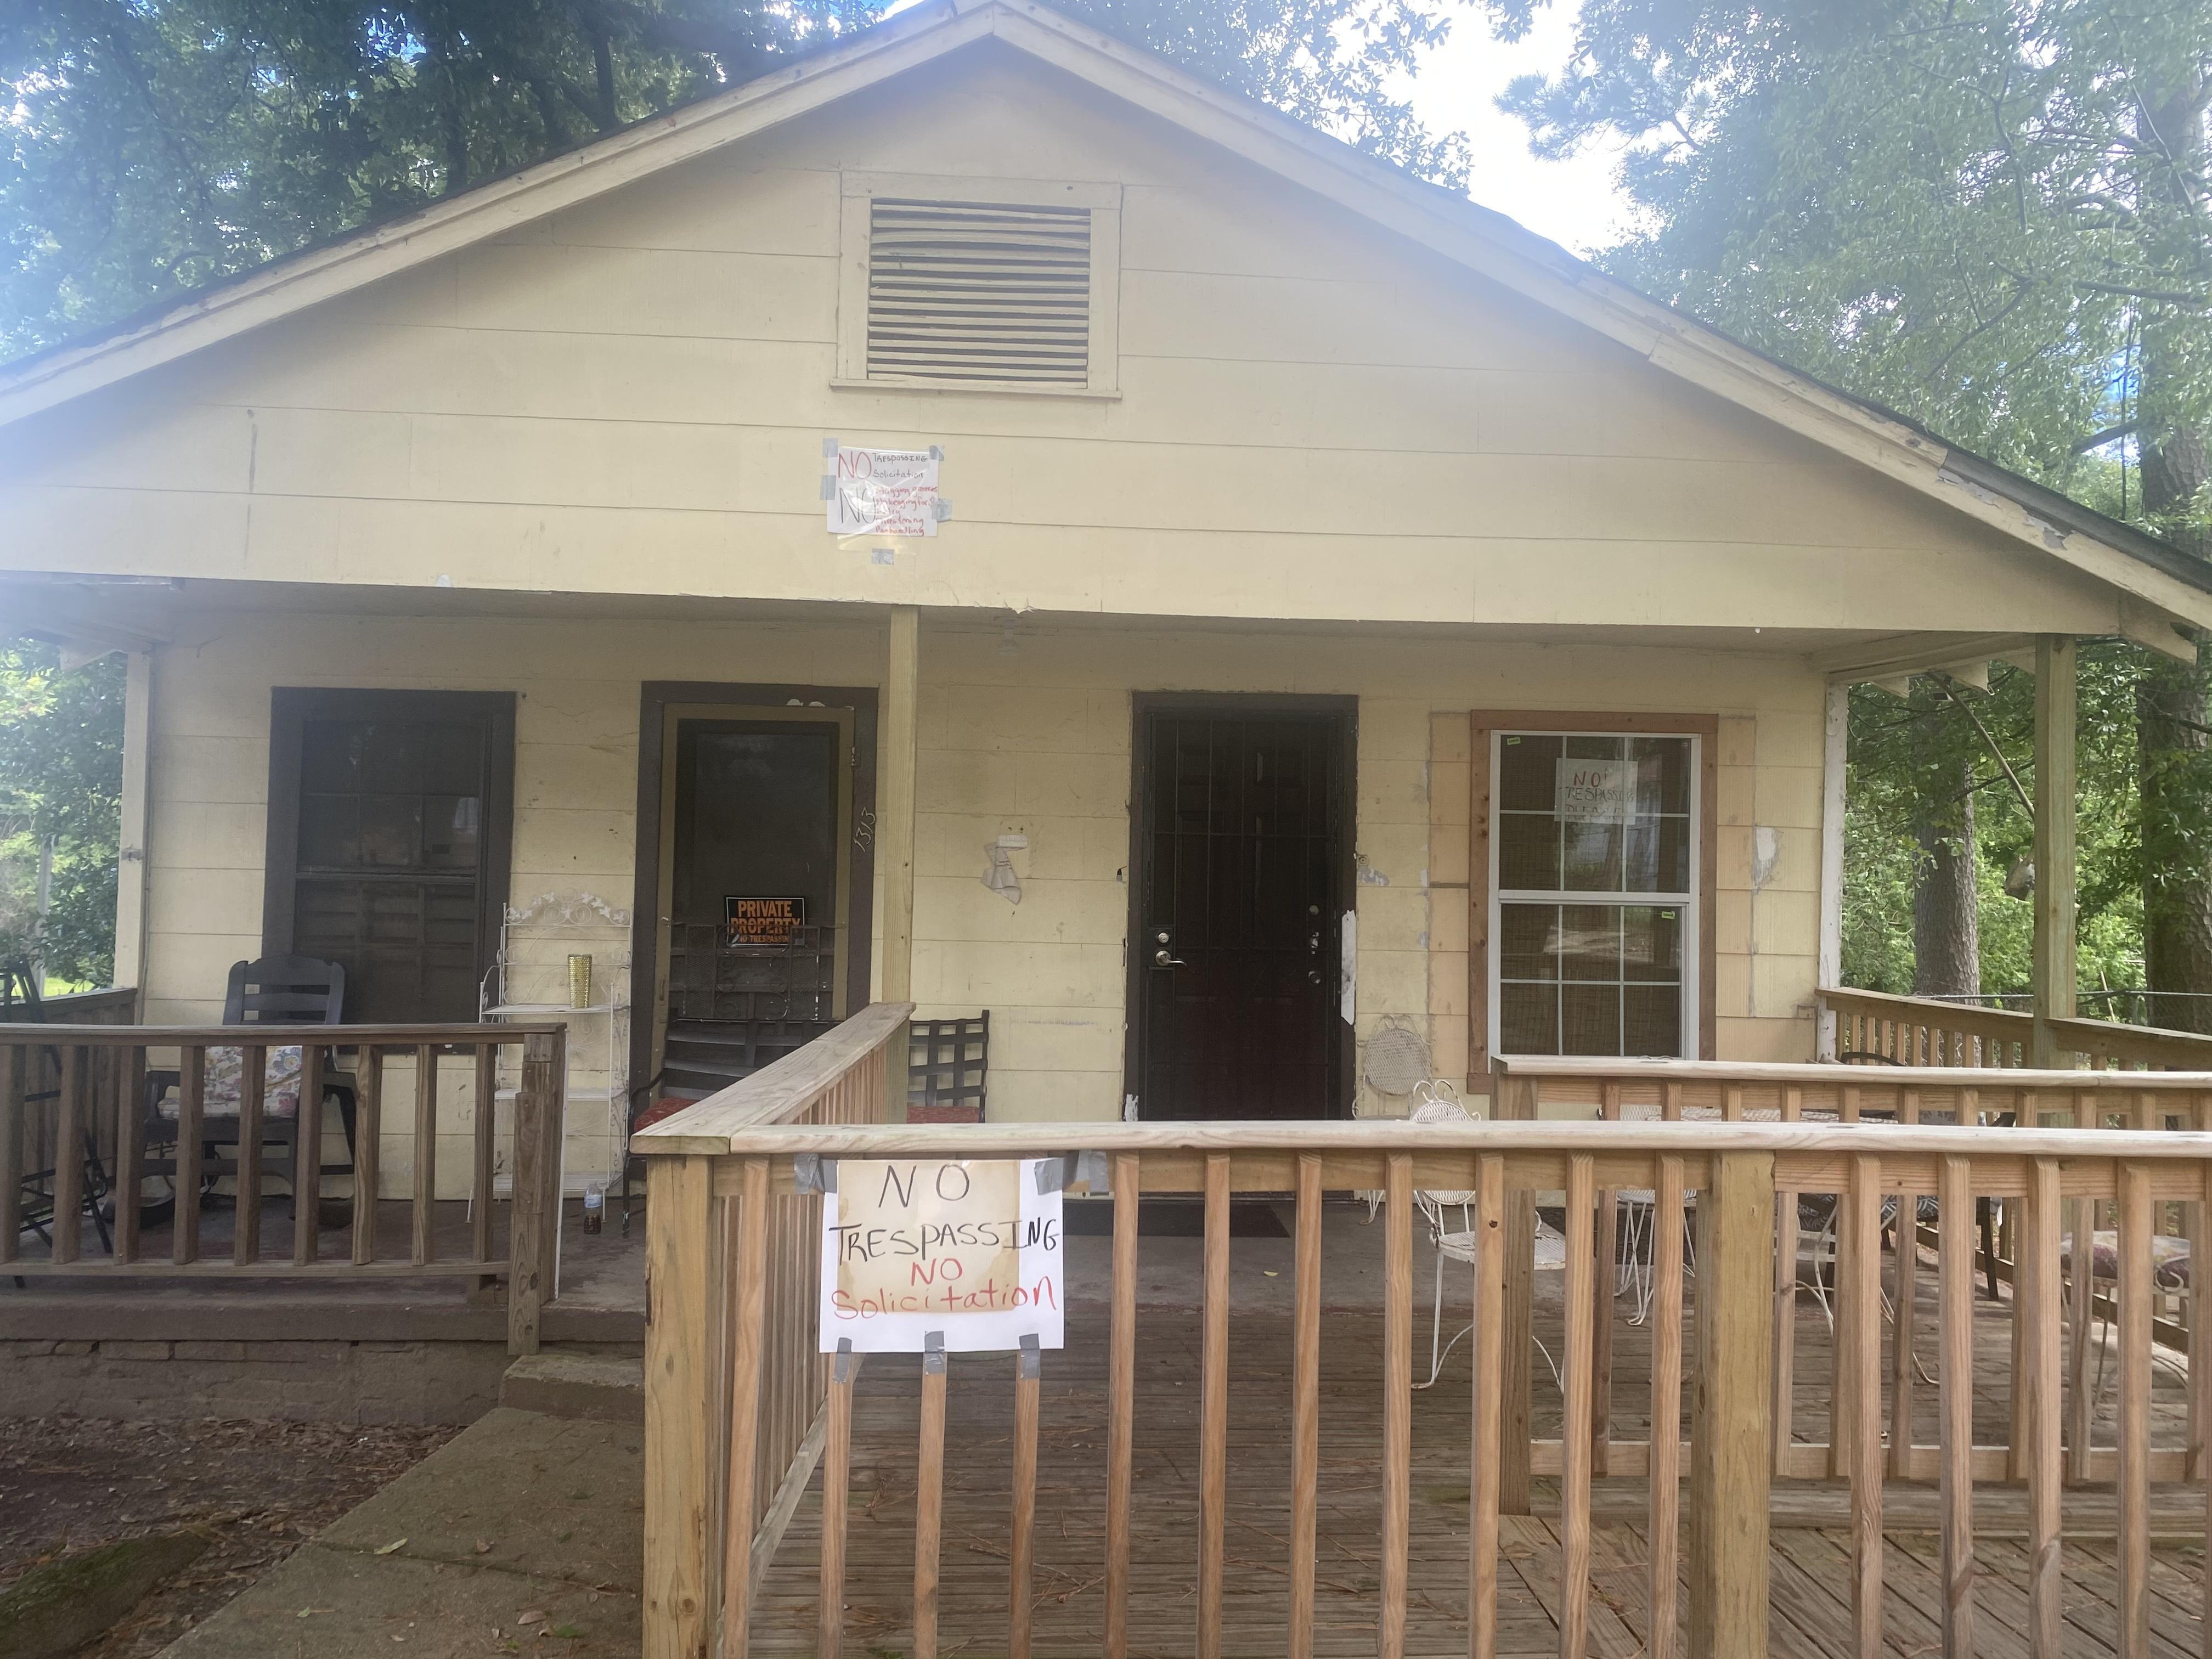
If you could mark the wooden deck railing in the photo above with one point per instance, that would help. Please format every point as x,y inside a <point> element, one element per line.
<point>736,1396</point>
<point>1875,1027</point>
<point>717,1363</point>
<point>111,1004</point>
<point>69,1087</point>
<point>1720,1093</point>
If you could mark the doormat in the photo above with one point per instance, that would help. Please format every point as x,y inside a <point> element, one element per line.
<point>1173,1217</point>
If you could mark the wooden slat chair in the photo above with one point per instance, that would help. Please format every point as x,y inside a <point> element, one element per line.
<point>271,991</point>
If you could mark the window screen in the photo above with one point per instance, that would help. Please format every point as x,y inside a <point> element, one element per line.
<point>1594,893</point>
<point>388,827</point>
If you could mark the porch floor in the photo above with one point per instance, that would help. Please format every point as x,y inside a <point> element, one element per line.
<point>602,1289</point>
<point>1810,1552</point>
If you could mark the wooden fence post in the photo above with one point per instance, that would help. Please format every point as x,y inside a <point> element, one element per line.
<point>1515,1102</point>
<point>681,1473</point>
<point>534,1232</point>
<point>1731,1449</point>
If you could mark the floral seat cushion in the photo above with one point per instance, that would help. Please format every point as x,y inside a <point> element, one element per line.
<point>226,1076</point>
<point>2169,1259</point>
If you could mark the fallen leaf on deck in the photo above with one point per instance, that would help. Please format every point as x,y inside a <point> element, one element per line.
<point>393,1546</point>
<point>483,1546</point>
<point>535,1616</point>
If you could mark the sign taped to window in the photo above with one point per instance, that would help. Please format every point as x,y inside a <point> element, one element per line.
<point>1594,791</point>
<point>883,492</point>
<point>966,1249</point>
<point>762,922</point>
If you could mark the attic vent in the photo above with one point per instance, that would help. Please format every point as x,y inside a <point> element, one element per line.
<point>979,291</point>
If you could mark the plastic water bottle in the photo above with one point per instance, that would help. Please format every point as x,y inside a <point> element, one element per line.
<point>595,1207</point>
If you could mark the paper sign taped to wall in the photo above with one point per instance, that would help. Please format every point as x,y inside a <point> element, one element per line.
<point>883,492</point>
<point>969,1249</point>
<point>1594,791</point>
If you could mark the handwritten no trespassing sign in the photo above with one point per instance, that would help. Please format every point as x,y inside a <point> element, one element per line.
<point>967,1248</point>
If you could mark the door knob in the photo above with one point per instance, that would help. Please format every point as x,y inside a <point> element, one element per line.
<point>1164,957</point>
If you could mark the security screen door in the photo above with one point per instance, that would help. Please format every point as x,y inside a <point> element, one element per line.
<point>1241,848</point>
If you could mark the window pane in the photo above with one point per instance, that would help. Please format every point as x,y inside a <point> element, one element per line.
<point>1663,774</point>
<point>454,760</point>
<point>1651,944</point>
<point>1590,862</point>
<point>1591,1017</point>
<point>1590,745</point>
<point>1527,767</point>
<point>449,832</point>
<point>1528,1019</point>
<point>391,831</point>
<point>329,832</point>
<point>330,756</point>
<point>1527,852</point>
<point>1589,942</point>
<point>1658,858</point>
<point>390,754</point>
<point>1528,942</point>
<point>1653,1017</point>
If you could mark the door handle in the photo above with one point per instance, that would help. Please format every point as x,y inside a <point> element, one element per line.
<point>1162,958</point>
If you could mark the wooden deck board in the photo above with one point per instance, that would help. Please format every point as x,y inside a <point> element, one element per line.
<point>1809,1554</point>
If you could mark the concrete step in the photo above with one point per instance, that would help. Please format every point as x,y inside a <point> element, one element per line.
<point>597,1388</point>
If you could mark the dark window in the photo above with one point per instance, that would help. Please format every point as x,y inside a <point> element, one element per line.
<point>389,814</point>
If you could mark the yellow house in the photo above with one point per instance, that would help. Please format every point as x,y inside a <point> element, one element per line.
<point>981,515</point>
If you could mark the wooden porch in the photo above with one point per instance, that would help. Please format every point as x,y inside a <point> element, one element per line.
<point>86,1150</point>
<point>1809,1554</point>
<point>1229,1456</point>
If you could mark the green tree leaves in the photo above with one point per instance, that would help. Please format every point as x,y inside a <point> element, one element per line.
<point>1994,216</point>
<point>61,775</point>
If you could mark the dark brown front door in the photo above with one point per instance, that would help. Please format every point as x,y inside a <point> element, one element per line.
<point>1242,846</point>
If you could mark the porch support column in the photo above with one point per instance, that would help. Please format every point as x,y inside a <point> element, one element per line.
<point>1732,1450</point>
<point>894,834</point>
<point>1835,754</point>
<point>2054,980</point>
<point>130,850</point>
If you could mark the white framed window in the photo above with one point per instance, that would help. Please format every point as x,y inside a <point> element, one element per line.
<point>1596,878</point>
<point>994,285</point>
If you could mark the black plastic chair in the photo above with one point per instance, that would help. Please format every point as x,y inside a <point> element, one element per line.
<point>269,991</point>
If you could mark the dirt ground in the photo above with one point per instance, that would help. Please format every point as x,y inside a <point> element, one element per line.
<point>255,1490</point>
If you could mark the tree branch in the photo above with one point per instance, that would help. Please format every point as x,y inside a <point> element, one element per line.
<point>2025,804</point>
<point>2099,440</point>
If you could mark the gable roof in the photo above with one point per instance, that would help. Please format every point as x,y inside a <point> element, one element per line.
<point>2165,582</point>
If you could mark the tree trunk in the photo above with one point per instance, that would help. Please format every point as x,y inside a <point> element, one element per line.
<point>2177,884</point>
<point>2171,697</point>
<point>1947,934</point>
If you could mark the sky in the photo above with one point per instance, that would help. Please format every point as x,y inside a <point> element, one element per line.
<point>1573,202</point>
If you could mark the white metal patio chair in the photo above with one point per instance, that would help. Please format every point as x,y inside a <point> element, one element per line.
<point>1457,1242</point>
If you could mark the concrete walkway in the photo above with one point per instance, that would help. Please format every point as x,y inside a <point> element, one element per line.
<point>521,1514</point>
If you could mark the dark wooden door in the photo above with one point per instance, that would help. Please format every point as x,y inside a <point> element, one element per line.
<point>1240,850</point>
